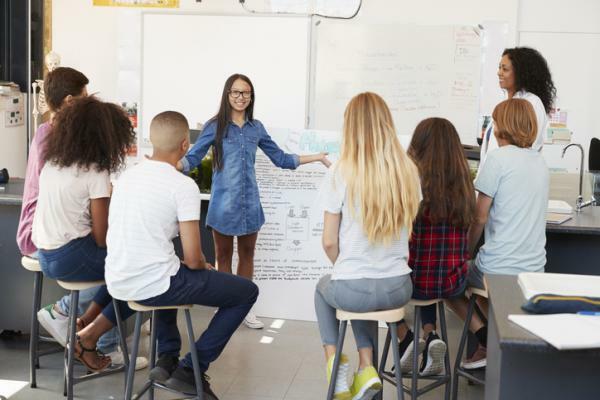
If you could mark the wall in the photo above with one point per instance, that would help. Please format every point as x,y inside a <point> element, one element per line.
<point>86,37</point>
<point>568,35</point>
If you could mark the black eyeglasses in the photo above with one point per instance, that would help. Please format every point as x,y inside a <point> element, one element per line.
<point>236,93</point>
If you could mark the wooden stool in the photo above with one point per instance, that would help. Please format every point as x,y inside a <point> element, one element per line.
<point>70,380</point>
<point>33,265</point>
<point>438,380</point>
<point>150,385</point>
<point>458,369</point>
<point>391,317</point>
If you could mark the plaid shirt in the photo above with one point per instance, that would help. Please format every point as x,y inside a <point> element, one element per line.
<point>438,258</point>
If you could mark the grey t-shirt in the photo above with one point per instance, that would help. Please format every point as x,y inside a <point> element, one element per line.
<point>515,232</point>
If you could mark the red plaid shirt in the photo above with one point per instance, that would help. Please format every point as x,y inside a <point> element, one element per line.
<point>438,258</point>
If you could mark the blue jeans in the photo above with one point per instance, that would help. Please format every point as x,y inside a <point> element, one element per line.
<point>357,295</point>
<point>82,260</point>
<point>233,295</point>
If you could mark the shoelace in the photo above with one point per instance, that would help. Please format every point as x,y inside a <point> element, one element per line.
<point>341,383</point>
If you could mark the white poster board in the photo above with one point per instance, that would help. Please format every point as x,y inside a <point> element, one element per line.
<point>289,257</point>
<point>187,58</point>
<point>420,71</point>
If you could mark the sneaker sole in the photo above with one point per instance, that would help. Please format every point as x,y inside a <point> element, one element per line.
<point>474,365</point>
<point>45,321</point>
<point>435,358</point>
<point>250,325</point>
<point>372,387</point>
<point>158,374</point>
<point>406,362</point>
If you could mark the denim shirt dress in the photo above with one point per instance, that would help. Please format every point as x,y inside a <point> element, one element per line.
<point>235,208</point>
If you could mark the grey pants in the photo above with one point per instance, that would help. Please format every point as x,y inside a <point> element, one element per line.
<point>357,295</point>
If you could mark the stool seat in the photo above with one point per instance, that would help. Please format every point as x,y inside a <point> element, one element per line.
<point>422,303</point>
<point>31,264</point>
<point>140,307</point>
<point>478,291</point>
<point>394,315</point>
<point>79,285</point>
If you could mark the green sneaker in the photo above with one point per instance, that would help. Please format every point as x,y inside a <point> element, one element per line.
<point>342,391</point>
<point>366,384</point>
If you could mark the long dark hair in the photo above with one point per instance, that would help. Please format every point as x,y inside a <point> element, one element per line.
<point>532,74</point>
<point>448,193</point>
<point>224,116</point>
<point>90,133</point>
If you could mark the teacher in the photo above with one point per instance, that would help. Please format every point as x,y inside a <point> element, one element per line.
<point>524,74</point>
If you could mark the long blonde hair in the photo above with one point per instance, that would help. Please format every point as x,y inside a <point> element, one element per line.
<point>381,179</point>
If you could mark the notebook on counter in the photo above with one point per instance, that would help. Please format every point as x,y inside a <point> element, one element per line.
<point>557,218</point>
<point>563,331</point>
<point>559,207</point>
<point>532,283</point>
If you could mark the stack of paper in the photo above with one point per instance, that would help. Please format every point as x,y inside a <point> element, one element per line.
<point>563,331</point>
<point>559,206</point>
<point>533,283</point>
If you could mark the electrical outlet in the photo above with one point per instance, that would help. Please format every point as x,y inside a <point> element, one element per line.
<point>13,118</point>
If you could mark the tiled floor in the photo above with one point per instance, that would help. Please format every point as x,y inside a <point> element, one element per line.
<point>291,367</point>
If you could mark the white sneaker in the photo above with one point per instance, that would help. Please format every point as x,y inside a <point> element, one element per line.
<point>252,322</point>
<point>56,324</point>
<point>117,360</point>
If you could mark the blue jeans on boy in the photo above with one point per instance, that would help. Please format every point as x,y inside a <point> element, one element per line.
<point>234,296</point>
<point>82,260</point>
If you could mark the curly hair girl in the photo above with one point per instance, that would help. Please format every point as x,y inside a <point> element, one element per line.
<point>90,133</point>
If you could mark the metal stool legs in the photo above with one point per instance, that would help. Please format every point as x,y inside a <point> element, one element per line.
<point>150,385</point>
<point>414,375</point>
<point>458,370</point>
<point>34,359</point>
<point>336,359</point>
<point>70,380</point>
<point>393,330</point>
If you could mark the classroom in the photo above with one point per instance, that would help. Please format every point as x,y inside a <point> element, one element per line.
<point>412,209</point>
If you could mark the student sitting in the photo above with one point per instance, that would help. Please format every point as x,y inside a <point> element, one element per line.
<point>61,86</point>
<point>371,197</point>
<point>438,245</point>
<point>89,141</point>
<point>152,202</point>
<point>511,206</point>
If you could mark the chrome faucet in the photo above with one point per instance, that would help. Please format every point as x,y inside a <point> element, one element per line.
<point>579,203</point>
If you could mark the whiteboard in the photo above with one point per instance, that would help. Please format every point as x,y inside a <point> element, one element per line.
<point>420,71</point>
<point>186,59</point>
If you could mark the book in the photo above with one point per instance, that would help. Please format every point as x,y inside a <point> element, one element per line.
<point>556,218</point>
<point>532,283</point>
<point>559,207</point>
<point>563,331</point>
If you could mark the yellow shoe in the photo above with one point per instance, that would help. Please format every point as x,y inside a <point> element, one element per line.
<point>366,384</point>
<point>342,391</point>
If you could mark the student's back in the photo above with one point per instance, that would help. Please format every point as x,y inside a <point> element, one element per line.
<point>149,200</point>
<point>515,235</point>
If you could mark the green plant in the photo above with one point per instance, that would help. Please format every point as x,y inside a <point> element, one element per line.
<point>202,174</point>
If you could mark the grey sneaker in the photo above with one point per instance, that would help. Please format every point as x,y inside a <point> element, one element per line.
<point>434,355</point>
<point>164,367</point>
<point>182,380</point>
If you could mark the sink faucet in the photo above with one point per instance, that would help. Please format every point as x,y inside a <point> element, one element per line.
<point>579,203</point>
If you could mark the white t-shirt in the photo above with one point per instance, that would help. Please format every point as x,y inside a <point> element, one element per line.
<point>515,232</point>
<point>489,140</point>
<point>358,258</point>
<point>63,207</point>
<point>149,200</point>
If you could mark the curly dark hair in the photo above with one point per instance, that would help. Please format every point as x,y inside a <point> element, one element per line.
<point>90,133</point>
<point>532,74</point>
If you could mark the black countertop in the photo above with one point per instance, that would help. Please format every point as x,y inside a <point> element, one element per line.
<point>12,192</point>
<point>585,222</point>
<point>506,298</point>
